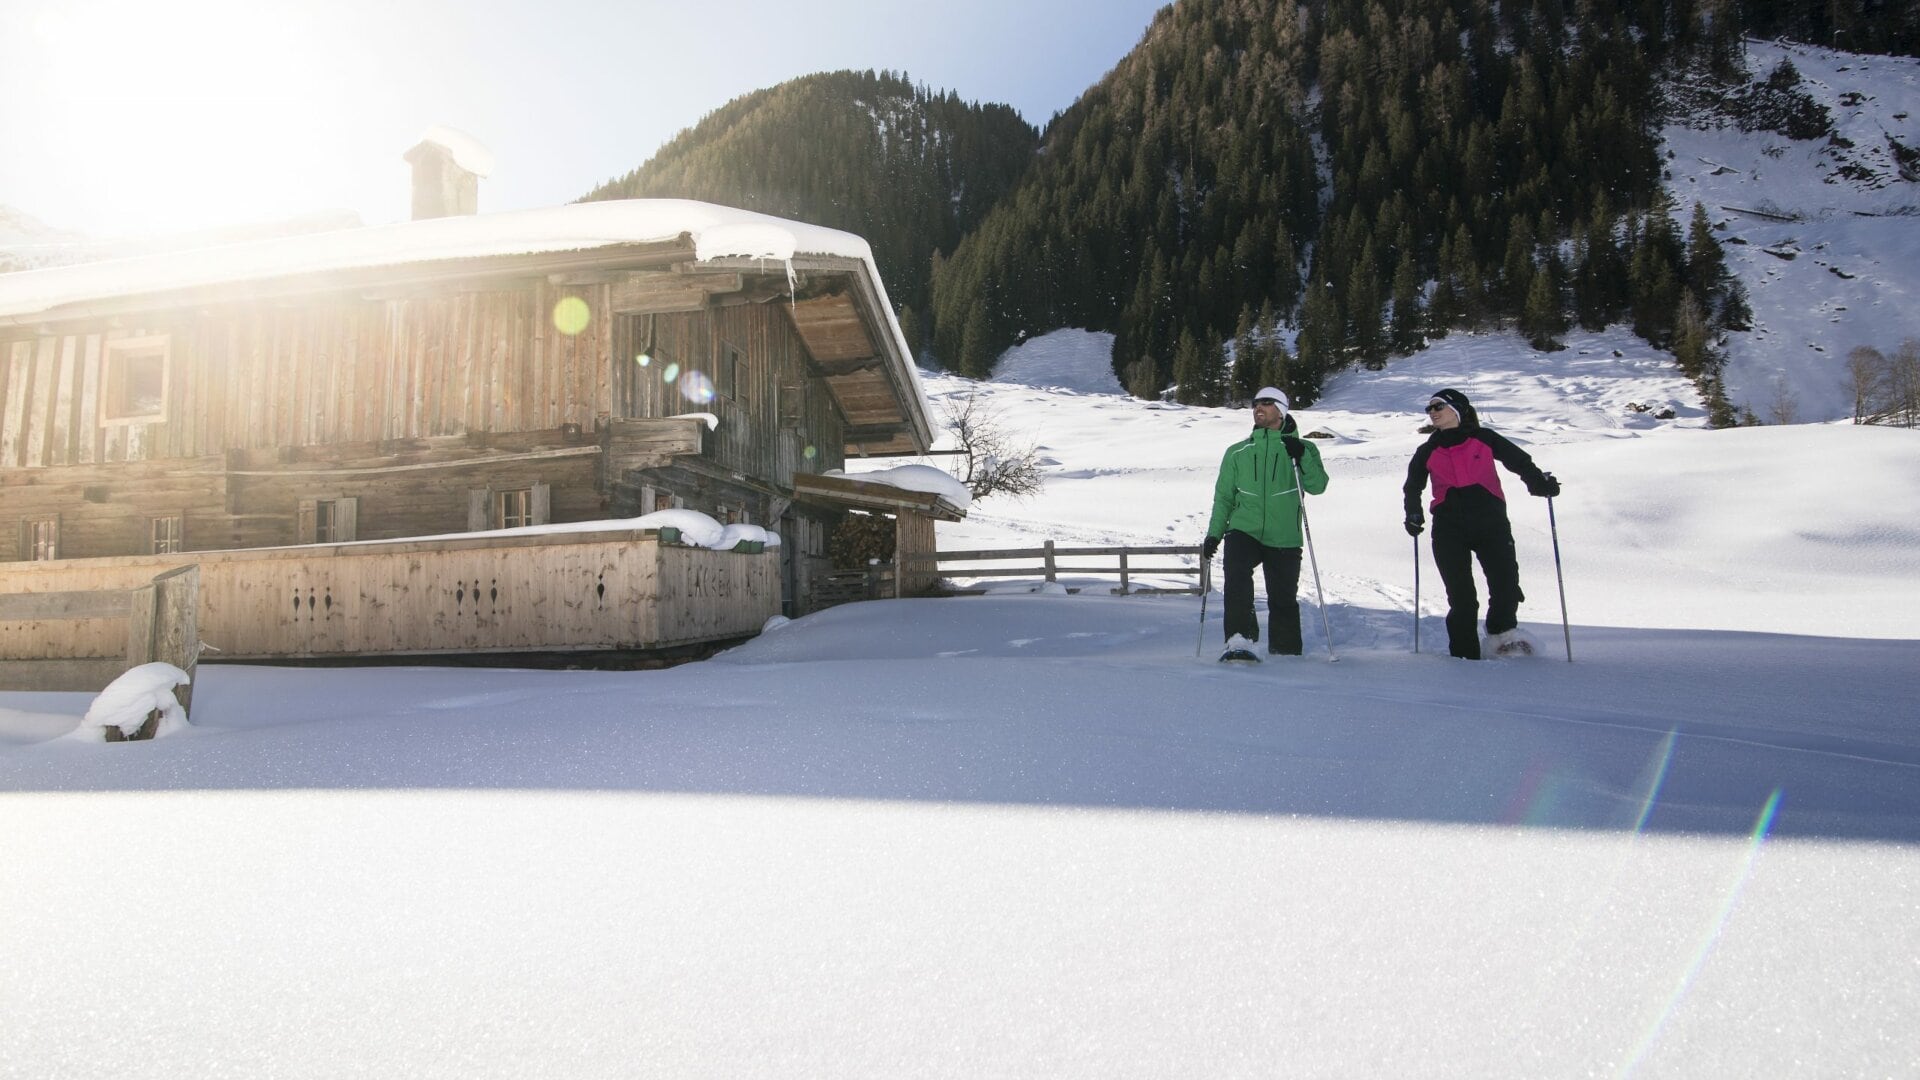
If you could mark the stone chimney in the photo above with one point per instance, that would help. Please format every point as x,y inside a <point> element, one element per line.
<point>447,167</point>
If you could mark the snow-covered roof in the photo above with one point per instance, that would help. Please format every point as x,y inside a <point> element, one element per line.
<point>924,479</point>
<point>716,232</point>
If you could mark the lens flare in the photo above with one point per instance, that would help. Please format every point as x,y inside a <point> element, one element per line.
<point>697,388</point>
<point>670,372</point>
<point>1710,935</point>
<point>809,453</point>
<point>643,359</point>
<point>571,315</point>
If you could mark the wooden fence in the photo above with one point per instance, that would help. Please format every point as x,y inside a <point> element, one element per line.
<point>158,620</point>
<point>1045,562</point>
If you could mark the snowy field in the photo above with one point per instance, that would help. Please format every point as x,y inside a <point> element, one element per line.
<point>1030,834</point>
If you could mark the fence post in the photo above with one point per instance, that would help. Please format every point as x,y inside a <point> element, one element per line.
<point>1049,556</point>
<point>176,625</point>
<point>1123,571</point>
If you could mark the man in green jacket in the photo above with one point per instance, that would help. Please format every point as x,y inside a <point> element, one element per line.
<point>1256,510</point>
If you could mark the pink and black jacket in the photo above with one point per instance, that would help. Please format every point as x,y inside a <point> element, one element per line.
<point>1460,462</point>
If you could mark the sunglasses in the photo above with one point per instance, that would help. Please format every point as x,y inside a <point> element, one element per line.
<point>1438,407</point>
<point>1265,401</point>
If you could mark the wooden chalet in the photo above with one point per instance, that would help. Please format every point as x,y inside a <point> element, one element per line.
<point>462,374</point>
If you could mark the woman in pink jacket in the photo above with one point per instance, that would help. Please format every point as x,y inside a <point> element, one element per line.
<point>1470,519</point>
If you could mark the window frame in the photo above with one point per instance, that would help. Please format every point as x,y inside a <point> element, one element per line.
<point>504,502</point>
<point>732,364</point>
<point>174,526</point>
<point>342,515</point>
<point>40,539</point>
<point>115,358</point>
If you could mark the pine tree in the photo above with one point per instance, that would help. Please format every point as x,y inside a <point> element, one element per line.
<point>1368,333</point>
<point>1706,261</point>
<point>1542,320</point>
<point>1249,359</point>
<point>976,350</point>
<point>1318,344</point>
<point>1407,316</point>
<point>1189,371</point>
<point>1690,336</point>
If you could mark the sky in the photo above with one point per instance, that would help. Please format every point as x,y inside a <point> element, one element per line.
<point>1043,833</point>
<point>122,117</point>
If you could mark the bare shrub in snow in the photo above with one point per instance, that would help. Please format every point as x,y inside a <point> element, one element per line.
<point>991,462</point>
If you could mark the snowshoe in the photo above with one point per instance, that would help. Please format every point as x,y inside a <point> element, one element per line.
<point>1239,651</point>
<point>1510,643</point>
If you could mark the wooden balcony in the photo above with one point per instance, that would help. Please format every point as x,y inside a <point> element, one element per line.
<point>551,592</point>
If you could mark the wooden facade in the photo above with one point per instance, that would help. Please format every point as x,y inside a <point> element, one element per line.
<point>437,396</point>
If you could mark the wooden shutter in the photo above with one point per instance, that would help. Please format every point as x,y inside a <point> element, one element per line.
<point>304,528</point>
<point>346,519</point>
<point>479,509</point>
<point>541,510</point>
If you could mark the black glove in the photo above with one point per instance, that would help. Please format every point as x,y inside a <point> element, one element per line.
<point>1208,546</point>
<point>1546,487</point>
<point>1295,448</point>
<point>1415,527</point>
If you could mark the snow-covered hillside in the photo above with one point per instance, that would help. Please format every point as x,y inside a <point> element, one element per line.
<point>1800,541</point>
<point>1030,834</point>
<point>1843,269</point>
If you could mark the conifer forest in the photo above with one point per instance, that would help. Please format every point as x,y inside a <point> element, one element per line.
<point>1264,191</point>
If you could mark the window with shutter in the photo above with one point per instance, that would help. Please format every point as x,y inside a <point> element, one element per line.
<point>167,535</point>
<point>40,540</point>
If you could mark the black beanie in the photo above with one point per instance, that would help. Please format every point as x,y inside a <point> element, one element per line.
<point>1460,404</point>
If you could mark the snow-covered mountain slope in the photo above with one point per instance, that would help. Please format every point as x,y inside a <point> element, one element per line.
<point>1843,269</point>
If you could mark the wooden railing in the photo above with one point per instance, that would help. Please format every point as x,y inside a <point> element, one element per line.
<point>161,619</point>
<point>620,589</point>
<point>1045,562</point>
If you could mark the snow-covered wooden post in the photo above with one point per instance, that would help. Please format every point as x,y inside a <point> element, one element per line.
<point>163,624</point>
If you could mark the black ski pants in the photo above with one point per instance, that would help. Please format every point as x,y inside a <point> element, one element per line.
<point>1282,569</point>
<point>1457,539</point>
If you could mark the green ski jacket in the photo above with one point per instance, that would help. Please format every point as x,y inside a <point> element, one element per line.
<point>1256,493</point>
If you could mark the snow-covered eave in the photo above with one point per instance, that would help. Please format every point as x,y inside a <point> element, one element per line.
<point>873,495</point>
<point>581,236</point>
<point>891,342</point>
<point>424,273</point>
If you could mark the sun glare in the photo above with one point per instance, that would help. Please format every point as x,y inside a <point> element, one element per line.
<point>183,115</point>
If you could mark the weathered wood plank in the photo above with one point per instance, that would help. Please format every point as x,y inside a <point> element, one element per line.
<point>39,431</point>
<point>19,388</point>
<point>24,607</point>
<point>61,676</point>
<point>62,449</point>
<point>92,438</point>
<point>142,605</point>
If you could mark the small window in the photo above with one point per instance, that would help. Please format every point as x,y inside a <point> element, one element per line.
<point>134,380</point>
<point>513,509</point>
<point>663,501</point>
<point>733,374</point>
<point>329,521</point>
<point>326,521</point>
<point>166,535</point>
<point>42,539</point>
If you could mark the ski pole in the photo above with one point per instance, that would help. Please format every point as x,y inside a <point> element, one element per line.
<point>1200,637</point>
<point>1307,531</point>
<point>1416,594</point>
<point>1565,630</point>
